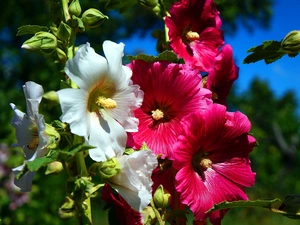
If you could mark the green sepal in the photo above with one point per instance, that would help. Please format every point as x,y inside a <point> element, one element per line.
<point>164,56</point>
<point>31,29</point>
<point>241,203</point>
<point>144,146</point>
<point>269,51</point>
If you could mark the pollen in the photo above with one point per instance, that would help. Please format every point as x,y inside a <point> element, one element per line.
<point>106,103</point>
<point>34,143</point>
<point>205,163</point>
<point>157,114</point>
<point>192,36</point>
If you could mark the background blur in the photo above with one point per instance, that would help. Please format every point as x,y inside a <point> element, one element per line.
<point>268,94</point>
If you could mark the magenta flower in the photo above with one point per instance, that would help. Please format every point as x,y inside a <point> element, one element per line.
<point>125,214</point>
<point>171,92</point>
<point>211,157</point>
<point>222,75</point>
<point>194,32</point>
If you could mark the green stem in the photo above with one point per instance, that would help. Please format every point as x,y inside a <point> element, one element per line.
<point>157,214</point>
<point>65,10</point>
<point>85,215</point>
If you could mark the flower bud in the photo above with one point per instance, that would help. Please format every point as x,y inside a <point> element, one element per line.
<point>291,205</point>
<point>149,215</point>
<point>291,42</point>
<point>42,42</point>
<point>66,209</point>
<point>61,55</point>
<point>93,18</point>
<point>161,197</point>
<point>64,31</point>
<point>75,8</point>
<point>51,98</point>
<point>109,168</point>
<point>54,168</point>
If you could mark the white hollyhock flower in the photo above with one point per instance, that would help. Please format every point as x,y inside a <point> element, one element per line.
<point>101,110</point>
<point>134,181</point>
<point>30,131</point>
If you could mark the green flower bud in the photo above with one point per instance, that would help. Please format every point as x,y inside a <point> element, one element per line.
<point>66,209</point>
<point>161,197</point>
<point>54,168</point>
<point>51,98</point>
<point>93,18</point>
<point>64,31</point>
<point>109,168</point>
<point>291,42</point>
<point>291,205</point>
<point>41,42</point>
<point>75,8</point>
<point>149,3</point>
<point>149,215</point>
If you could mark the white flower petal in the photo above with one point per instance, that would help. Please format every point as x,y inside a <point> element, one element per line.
<point>134,181</point>
<point>33,90</point>
<point>25,182</point>
<point>73,104</point>
<point>86,67</point>
<point>114,53</point>
<point>107,135</point>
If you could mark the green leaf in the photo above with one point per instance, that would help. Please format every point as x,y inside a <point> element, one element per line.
<point>164,56</point>
<point>167,4</point>
<point>235,204</point>
<point>269,51</point>
<point>31,29</point>
<point>40,162</point>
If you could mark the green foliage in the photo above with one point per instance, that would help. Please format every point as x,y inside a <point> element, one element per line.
<point>164,56</point>
<point>269,51</point>
<point>31,29</point>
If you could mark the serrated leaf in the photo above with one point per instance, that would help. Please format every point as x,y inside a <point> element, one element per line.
<point>269,51</point>
<point>164,56</point>
<point>31,29</point>
<point>235,204</point>
<point>37,163</point>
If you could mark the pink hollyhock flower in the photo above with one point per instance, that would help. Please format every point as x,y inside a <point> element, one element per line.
<point>194,32</point>
<point>171,92</point>
<point>222,75</point>
<point>212,158</point>
<point>125,214</point>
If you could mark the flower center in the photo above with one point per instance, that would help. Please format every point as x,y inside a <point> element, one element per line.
<point>214,95</point>
<point>192,36</point>
<point>106,103</point>
<point>34,143</point>
<point>157,114</point>
<point>201,162</point>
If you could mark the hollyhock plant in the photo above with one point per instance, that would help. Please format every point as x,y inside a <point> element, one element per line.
<point>101,109</point>
<point>211,157</point>
<point>133,182</point>
<point>221,77</point>
<point>30,132</point>
<point>171,91</point>
<point>194,32</point>
<point>125,213</point>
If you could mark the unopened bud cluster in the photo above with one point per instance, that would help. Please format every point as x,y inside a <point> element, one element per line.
<point>291,42</point>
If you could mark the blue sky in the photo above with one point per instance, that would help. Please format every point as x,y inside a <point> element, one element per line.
<point>282,75</point>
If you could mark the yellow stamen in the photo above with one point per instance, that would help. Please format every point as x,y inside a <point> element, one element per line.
<point>192,36</point>
<point>204,81</point>
<point>157,114</point>
<point>214,95</point>
<point>34,143</point>
<point>106,103</point>
<point>205,163</point>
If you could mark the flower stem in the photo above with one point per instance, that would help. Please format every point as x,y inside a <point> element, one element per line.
<point>85,215</point>
<point>65,10</point>
<point>157,214</point>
